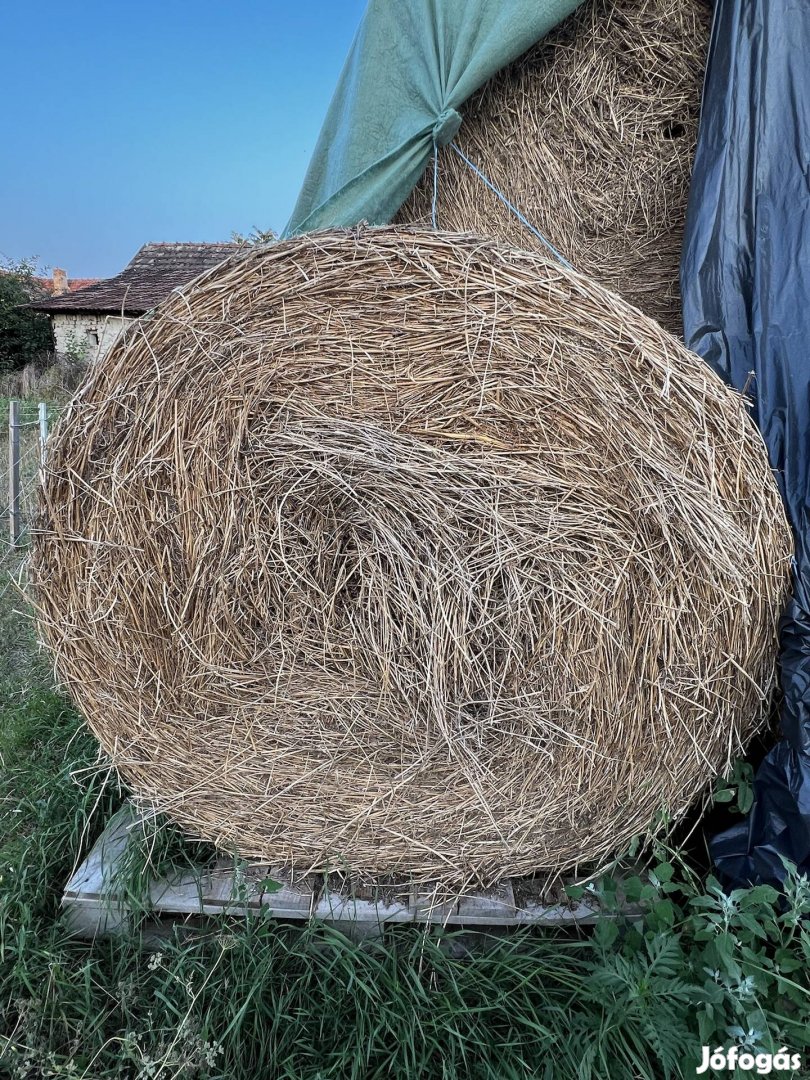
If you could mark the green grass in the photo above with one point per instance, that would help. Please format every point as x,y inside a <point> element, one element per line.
<point>253,999</point>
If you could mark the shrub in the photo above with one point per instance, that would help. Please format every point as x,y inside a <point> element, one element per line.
<point>24,334</point>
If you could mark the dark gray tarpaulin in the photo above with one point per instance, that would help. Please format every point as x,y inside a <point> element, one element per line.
<point>745,278</point>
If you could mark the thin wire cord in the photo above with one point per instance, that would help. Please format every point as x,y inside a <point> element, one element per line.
<point>433,208</point>
<point>521,217</point>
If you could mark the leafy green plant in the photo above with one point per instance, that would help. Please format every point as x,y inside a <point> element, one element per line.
<point>742,953</point>
<point>255,236</point>
<point>737,789</point>
<point>76,347</point>
<point>24,334</point>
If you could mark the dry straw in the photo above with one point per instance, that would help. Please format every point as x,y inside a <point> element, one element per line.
<point>591,134</point>
<point>406,553</point>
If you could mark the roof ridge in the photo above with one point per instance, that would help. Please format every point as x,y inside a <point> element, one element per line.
<point>189,243</point>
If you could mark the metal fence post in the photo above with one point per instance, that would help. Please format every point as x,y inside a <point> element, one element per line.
<point>14,470</point>
<point>43,430</point>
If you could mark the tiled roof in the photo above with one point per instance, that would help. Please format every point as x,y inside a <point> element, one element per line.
<point>46,283</point>
<point>144,282</point>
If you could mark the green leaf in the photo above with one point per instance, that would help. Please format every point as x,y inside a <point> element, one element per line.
<point>633,846</point>
<point>605,933</point>
<point>631,887</point>
<point>751,924</point>
<point>268,885</point>
<point>788,963</point>
<point>706,1024</point>
<point>759,894</point>
<point>745,798</point>
<point>704,902</point>
<point>713,993</point>
<point>724,945</point>
<point>724,795</point>
<point>664,913</point>
<point>632,941</point>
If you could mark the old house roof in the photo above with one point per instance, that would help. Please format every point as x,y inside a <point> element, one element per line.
<point>46,283</point>
<point>149,278</point>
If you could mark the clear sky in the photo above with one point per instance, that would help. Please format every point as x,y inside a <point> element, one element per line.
<point>125,122</point>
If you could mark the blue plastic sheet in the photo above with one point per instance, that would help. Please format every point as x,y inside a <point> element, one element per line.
<point>745,279</point>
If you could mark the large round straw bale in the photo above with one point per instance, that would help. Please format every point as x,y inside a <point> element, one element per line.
<point>591,135</point>
<point>407,553</point>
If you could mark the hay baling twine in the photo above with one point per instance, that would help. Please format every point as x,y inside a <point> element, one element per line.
<point>521,217</point>
<point>449,121</point>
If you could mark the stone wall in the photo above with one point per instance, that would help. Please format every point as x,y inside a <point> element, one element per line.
<point>87,336</point>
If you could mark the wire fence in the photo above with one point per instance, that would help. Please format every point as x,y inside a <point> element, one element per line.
<point>29,423</point>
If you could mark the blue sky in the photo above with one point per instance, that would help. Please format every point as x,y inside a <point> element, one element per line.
<point>126,122</point>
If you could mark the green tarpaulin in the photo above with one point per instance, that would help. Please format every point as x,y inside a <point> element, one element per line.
<point>411,67</point>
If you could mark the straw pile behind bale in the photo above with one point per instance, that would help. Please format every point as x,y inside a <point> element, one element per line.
<point>406,553</point>
<point>591,135</point>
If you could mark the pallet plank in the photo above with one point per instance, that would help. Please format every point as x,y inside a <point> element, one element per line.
<point>91,908</point>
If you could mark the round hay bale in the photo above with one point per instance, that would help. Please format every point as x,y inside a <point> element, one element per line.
<point>407,553</point>
<point>591,134</point>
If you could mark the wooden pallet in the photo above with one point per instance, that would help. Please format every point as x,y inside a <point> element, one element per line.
<point>92,908</point>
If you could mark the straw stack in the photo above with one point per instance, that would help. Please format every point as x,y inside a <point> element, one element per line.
<point>409,554</point>
<point>591,134</point>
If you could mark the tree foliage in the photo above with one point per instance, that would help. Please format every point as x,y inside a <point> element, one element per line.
<point>255,236</point>
<point>24,334</point>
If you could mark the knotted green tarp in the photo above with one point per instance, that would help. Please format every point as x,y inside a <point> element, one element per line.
<point>411,67</point>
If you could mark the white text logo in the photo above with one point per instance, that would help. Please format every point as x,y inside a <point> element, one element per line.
<point>747,1061</point>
